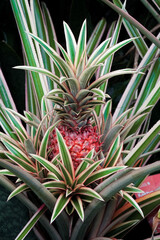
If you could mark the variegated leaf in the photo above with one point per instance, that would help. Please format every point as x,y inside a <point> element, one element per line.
<point>61,203</point>
<point>64,153</point>
<point>78,206</point>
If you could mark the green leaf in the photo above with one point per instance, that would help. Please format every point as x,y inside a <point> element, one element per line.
<point>22,163</point>
<point>28,227</point>
<point>5,124</point>
<point>50,31</point>
<point>81,45</point>
<point>110,51</point>
<point>70,42</point>
<point>24,24</point>
<point>16,124</point>
<point>132,189</point>
<point>43,71</point>
<point>6,172</point>
<point>18,190</point>
<point>99,50</point>
<point>120,228</point>
<point>98,92</point>
<point>83,165</point>
<point>134,83</point>
<point>112,134</point>
<point>131,158</point>
<point>96,36</point>
<point>82,177</point>
<point>139,42</point>
<point>128,198</point>
<point>52,232</point>
<point>16,151</point>
<point>64,153</point>
<point>44,142</point>
<point>67,177</point>
<point>49,166</point>
<point>61,203</point>
<point>87,191</point>
<point>5,93</point>
<point>55,185</point>
<point>61,64</point>
<point>102,173</point>
<point>86,75</point>
<point>78,206</point>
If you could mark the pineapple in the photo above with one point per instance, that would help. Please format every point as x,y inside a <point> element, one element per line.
<point>80,140</point>
<point>78,93</point>
<point>71,143</point>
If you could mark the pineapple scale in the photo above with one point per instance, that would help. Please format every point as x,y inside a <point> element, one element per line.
<point>81,142</point>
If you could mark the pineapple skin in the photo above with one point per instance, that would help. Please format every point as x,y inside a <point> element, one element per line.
<point>79,140</point>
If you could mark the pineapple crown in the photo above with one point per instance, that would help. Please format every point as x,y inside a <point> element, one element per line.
<point>77,94</point>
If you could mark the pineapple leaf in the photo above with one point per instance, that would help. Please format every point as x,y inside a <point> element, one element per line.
<point>86,75</point>
<point>83,176</point>
<point>29,146</point>
<point>128,198</point>
<point>73,85</point>
<point>121,227</point>
<point>99,50</point>
<point>98,92</point>
<point>148,86</point>
<point>64,153</point>
<point>107,110</point>
<point>44,142</point>
<point>78,206</point>
<point>87,191</point>
<point>49,166</point>
<point>65,56</point>
<point>70,42</point>
<point>107,189</point>
<point>45,72</point>
<point>112,134</point>
<point>16,123</point>
<point>5,124</point>
<point>61,64</point>
<point>132,189</point>
<point>96,36</point>
<point>81,45</point>
<point>16,151</point>
<point>131,158</point>
<point>83,165</point>
<point>67,177</point>
<point>55,185</point>
<point>6,172</point>
<point>102,173</point>
<point>31,223</point>
<point>5,93</point>
<point>61,203</point>
<point>21,162</point>
<point>134,82</point>
<point>23,22</point>
<point>139,42</point>
<point>112,161</point>
<point>101,58</point>
<point>18,190</point>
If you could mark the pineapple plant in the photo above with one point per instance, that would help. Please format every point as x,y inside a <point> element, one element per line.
<point>82,161</point>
